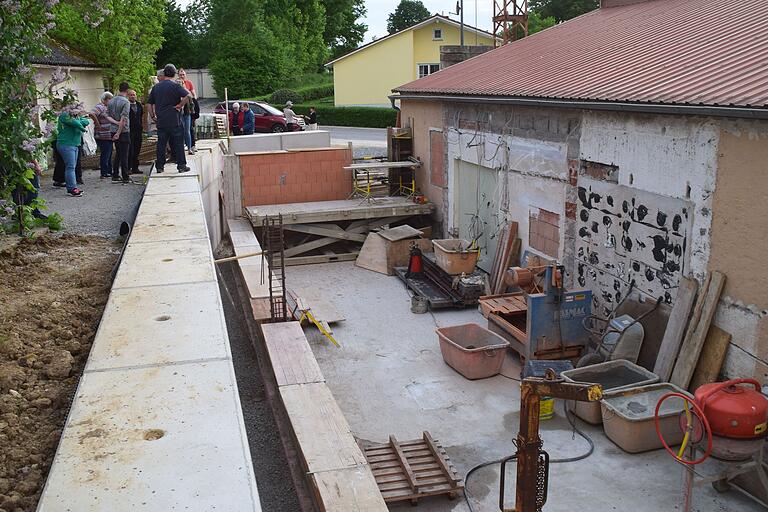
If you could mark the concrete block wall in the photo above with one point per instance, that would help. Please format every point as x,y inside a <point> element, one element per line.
<point>280,177</point>
<point>278,141</point>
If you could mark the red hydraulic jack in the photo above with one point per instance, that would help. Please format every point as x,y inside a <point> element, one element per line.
<point>532,461</point>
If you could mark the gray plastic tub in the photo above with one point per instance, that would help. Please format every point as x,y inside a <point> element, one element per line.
<point>613,376</point>
<point>628,417</point>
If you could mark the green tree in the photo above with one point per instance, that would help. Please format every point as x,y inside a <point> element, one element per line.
<point>562,10</point>
<point>178,45</point>
<point>124,43</point>
<point>249,64</point>
<point>407,13</point>
<point>343,33</point>
<point>300,25</point>
<point>537,23</point>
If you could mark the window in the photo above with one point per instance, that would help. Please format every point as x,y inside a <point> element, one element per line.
<point>437,34</point>
<point>428,69</point>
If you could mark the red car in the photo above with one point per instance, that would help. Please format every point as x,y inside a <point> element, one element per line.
<point>266,117</point>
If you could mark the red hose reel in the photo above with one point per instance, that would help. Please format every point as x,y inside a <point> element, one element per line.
<point>723,409</point>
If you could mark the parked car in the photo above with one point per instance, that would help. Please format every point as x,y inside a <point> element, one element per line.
<point>266,117</point>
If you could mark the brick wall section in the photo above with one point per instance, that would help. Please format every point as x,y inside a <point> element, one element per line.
<point>544,231</point>
<point>280,177</point>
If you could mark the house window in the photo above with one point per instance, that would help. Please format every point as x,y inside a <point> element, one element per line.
<point>428,69</point>
<point>437,34</point>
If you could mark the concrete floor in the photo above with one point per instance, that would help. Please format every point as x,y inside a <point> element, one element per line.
<point>389,378</point>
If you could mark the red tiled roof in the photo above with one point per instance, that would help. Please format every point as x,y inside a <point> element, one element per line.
<point>694,52</point>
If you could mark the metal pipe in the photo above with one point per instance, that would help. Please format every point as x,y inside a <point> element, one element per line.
<point>461,29</point>
<point>654,108</point>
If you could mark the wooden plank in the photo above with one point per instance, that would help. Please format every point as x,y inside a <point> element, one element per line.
<point>239,225</point>
<point>322,432</point>
<point>290,354</point>
<point>340,210</point>
<point>373,254</point>
<point>448,471</point>
<point>261,309</point>
<point>498,286</point>
<point>712,357</point>
<point>410,478</point>
<point>697,332</point>
<point>400,233</point>
<point>673,335</point>
<point>255,281</point>
<point>348,490</point>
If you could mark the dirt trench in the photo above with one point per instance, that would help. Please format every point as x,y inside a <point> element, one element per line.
<point>53,290</point>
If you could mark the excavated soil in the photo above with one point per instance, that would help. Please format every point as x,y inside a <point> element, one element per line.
<point>52,294</point>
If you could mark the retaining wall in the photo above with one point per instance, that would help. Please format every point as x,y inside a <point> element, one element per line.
<point>156,422</point>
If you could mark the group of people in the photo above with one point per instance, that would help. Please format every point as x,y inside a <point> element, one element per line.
<point>119,124</point>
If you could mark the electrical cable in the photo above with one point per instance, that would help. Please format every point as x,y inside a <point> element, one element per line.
<point>576,430</point>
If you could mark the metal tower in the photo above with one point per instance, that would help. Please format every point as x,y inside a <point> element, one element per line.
<point>510,19</point>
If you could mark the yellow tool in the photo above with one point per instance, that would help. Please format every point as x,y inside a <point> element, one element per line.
<point>322,326</point>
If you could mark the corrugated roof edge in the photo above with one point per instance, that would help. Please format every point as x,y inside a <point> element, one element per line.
<point>617,106</point>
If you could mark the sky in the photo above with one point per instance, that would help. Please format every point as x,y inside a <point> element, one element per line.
<point>378,10</point>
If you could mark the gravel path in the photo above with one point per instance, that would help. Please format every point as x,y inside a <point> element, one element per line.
<point>101,208</point>
<point>273,476</point>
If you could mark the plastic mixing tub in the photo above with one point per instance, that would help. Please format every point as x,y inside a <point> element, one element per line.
<point>628,418</point>
<point>453,256</point>
<point>613,376</point>
<point>471,350</point>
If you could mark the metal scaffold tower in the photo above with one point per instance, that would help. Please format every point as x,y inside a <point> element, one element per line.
<point>274,253</point>
<point>510,20</point>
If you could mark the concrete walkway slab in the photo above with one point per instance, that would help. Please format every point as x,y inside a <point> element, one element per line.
<point>130,434</point>
<point>160,324</point>
<point>171,203</point>
<point>162,263</point>
<point>182,184</point>
<point>169,226</point>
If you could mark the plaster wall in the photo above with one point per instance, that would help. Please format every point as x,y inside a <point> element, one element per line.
<point>88,83</point>
<point>739,244</point>
<point>425,118</point>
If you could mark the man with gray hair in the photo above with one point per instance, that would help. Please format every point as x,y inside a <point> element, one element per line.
<point>165,104</point>
<point>103,134</point>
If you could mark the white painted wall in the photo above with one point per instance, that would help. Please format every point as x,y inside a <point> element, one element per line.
<point>661,154</point>
<point>536,176</point>
<point>88,83</point>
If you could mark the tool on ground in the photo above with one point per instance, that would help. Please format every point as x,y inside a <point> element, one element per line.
<point>733,419</point>
<point>323,327</point>
<point>415,262</point>
<point>541,325</point>
<point>532,461</point>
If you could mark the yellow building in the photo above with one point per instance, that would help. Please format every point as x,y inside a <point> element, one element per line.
<point>367,75</point>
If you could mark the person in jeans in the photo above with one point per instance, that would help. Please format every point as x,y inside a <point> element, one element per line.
<point>103,134</point>
<point>187,111</point>
<point>70,128</point>
<point>59,166</point>
<point>249,119</point>
<point>135,121</point>
<point>165,103</point>
<point>119,109</point>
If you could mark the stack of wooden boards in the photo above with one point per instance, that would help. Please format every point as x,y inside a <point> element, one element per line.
<point>507,255</point>
<point>338,472</point>
<point>692,352</point>
<point>389,248</point>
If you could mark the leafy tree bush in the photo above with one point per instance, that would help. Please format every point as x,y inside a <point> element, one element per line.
<point>562,10</point>
<point>281,96</point>
<point>124,42</point>
<point>248,64</point>
<point>407,13</point>
<point>342,32</point>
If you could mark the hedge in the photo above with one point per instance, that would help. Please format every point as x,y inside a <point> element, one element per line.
<point>364,117</point>
<point>307,93</point>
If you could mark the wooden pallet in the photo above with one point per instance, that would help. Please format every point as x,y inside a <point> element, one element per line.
<point>504,304</point>
<point>410,470</point>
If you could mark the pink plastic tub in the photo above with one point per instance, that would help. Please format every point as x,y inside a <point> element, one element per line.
<point>471,350</point>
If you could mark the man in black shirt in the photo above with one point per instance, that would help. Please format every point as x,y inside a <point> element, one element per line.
<point>136,121</point>
<point>165,104</point>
